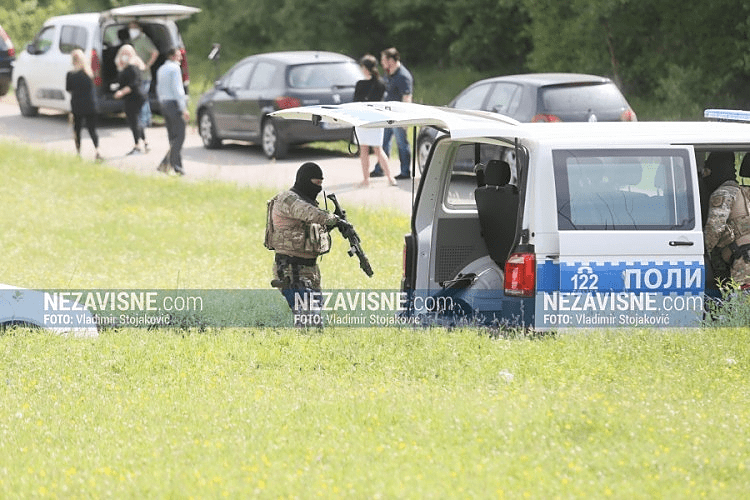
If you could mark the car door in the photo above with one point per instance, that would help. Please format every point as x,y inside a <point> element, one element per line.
<point>258,95</point>
<point>630,240</point>
<point>225,104</point>
<point>164,11</point>
<point>38,57</point>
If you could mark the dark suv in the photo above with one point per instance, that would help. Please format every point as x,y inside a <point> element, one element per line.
<point>237,107</point>
<point>7,56</point>
<point>539,97</point>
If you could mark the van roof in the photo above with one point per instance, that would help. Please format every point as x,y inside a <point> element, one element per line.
<point>675,132</point>
<point>91,18</point>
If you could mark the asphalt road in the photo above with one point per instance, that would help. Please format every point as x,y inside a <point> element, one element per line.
<point>239,163</point>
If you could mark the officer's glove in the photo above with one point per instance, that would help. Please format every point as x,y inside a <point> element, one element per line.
<point>344,227</point>
<point>726,237</point>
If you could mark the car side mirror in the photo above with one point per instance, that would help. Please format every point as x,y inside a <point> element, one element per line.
<point>31,48</point>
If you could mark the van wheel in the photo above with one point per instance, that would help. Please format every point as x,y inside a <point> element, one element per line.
<point>273,146</point>
<point>207,131</point>
<point>24,100</point>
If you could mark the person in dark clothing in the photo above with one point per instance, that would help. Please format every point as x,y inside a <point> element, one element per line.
<point>80,85</point>
<point>370,89</point>
<point>399,86</point>
<point>130,67</point>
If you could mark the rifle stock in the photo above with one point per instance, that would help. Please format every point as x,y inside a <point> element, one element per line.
<point>355,246</point>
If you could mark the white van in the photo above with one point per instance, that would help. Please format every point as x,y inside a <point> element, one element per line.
<point>597,225</point>
<point>40,69</point>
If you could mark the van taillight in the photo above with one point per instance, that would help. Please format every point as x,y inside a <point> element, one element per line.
<point>520,275</point>
<point>628,116</point>
<point>96,67</point>
<point>184,67</point>
<point>545,118</point>
<point>285,102</point>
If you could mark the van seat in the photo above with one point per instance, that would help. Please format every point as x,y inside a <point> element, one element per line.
<point>497,205</point>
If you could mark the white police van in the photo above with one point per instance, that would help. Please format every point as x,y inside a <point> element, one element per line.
<point>595,225</point>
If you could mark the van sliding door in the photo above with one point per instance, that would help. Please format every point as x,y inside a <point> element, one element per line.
<point>631,249</point>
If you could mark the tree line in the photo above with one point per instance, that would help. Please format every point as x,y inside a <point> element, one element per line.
<point>684,54</point>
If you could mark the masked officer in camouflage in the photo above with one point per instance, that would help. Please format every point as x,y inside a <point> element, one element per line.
<point>298,231</point>
<point>727,229</point>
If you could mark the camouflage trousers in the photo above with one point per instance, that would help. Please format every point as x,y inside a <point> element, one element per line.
<point>298,280</point>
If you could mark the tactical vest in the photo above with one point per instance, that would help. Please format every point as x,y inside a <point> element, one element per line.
<point>310,239</point>
<point>740,223</point>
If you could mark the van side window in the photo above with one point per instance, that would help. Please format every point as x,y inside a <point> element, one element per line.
<point>43,40</point>
<point>463,181</point>
<point>623,190</point>
<point>72,37</point>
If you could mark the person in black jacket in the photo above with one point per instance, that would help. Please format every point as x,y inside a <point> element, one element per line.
<point>130,67</point>
<point>371,88</point>
<point>79,83</point>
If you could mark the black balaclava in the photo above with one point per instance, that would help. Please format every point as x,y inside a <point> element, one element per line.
<point>303,185</point>
<point>721,164</point>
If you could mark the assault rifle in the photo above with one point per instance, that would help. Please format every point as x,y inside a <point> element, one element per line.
<point>348,232</point>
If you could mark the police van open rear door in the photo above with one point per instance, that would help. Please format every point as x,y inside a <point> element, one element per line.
<point>630,241</point>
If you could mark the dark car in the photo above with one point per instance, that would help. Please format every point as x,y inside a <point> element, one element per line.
<point>7,56</point>
<point>539,97</point>
<point>237,107</point>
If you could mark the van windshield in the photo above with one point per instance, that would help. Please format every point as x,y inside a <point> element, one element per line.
<point>623,190</point>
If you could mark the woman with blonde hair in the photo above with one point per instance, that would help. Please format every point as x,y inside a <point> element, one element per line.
<point>130,67</point>
<point>79,83</point>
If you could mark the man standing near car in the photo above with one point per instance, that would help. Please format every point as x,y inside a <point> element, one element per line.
<point>148,53</point>
<point>399,86</point>
<point>173,103</point>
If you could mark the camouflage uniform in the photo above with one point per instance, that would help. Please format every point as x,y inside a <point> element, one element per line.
<point>298,232</point>
<point>727,229</point>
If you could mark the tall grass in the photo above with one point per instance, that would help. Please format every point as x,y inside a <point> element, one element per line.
<point>375,414</point>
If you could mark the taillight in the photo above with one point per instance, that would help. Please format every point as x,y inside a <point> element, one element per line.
<point>628,116</point>
<point>184,67</point>
<point>545,118</point>
<point>520,275</point>
<point>285,102</point>
<point>96,67</point>
<point>8,43</point>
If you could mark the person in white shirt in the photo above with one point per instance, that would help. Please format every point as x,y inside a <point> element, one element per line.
<point>171,95</point>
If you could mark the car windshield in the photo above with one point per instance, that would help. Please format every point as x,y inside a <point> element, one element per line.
<point>594,98</point>
<point>623,190</point>
<point>324,75</point>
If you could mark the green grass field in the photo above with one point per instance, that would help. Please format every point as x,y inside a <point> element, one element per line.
<point>339,413</point>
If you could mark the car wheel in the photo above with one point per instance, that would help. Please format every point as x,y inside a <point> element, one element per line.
<point>24,100</point>
<point>424,145</point>
<point>273,146</point>
<point>207,131</point>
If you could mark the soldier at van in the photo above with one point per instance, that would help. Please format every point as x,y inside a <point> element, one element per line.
<point>298,231</point>
<point>727,229</point>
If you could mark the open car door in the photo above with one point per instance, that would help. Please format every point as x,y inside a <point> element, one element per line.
<point>458,123</point>
<point>166,11</point>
